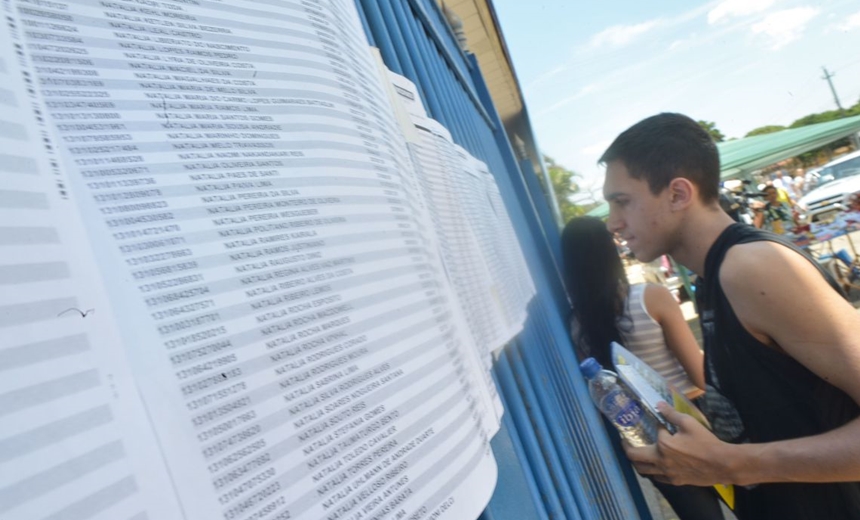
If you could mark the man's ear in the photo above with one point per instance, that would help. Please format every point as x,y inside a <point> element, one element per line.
<point>682,192</point>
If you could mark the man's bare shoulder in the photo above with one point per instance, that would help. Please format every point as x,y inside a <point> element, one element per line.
<point>779,295</point>
<point>765,263</point>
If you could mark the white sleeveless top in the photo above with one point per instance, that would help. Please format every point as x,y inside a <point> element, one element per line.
<point>645,339</point>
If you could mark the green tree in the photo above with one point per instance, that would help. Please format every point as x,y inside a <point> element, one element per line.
<point>711,128</point>
<point>821,117</point>
<point>828,115</point>
<point>816,156</point>
<point>767,129</point>
<point>564,186</point>
<point>824,153</point>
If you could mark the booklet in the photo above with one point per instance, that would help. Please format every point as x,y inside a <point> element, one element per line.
<point>651,388</point>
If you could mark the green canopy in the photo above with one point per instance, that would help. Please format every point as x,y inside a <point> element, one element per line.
<point>740,157</point>
<point>601,211</point>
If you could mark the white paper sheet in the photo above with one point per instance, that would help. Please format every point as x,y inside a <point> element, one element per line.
<point>75,440</point>
<point>479,246</point>
<point>244,192</point>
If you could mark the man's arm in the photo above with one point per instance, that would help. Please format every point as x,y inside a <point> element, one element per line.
<point>782,300</point>
<point>758,218</point>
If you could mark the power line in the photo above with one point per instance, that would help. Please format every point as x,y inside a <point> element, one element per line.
<point>846,65</point>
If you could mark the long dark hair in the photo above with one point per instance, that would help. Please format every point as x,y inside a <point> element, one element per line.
<point>597,285</point>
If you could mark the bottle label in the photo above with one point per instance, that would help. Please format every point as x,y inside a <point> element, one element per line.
<point>628,412</point>
<point>630,415</point>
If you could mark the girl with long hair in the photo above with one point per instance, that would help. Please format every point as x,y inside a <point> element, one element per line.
<point>645,318</point>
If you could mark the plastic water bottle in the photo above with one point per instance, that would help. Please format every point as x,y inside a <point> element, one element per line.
<point>619,405</point>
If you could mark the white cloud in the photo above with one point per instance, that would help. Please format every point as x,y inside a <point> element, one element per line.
<point>620,35</point>
<point>584,91</point>
<point>853,22</point>
<point>684,42</point>
<point>735,8</point>
<point>677,44</point>
<point>546,76</point>
<point>786,26</point>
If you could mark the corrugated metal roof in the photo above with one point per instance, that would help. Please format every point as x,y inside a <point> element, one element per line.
<point>752,153</point>
<point>743,156</point>
<point>485,41</point>
<point>601,211</point>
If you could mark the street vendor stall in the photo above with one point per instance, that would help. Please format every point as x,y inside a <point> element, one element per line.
<point>825,241</point>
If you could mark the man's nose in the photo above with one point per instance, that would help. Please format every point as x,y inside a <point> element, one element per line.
<point>614,224</point>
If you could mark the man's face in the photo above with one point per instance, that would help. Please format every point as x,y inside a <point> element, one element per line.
<point>641,218</point>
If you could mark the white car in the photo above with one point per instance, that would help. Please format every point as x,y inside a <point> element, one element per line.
<point>837,181</point>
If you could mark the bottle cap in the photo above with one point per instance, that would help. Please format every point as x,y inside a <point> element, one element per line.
<point>590,367</point>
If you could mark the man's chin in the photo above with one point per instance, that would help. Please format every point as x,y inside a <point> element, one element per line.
<point>645,257</point>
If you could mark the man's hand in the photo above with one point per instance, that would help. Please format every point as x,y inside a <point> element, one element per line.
<point>693,456</point>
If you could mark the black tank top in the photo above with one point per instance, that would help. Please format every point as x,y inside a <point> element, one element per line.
<point>776,397</point>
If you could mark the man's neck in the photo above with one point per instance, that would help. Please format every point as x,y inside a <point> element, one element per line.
<point>701,229</point>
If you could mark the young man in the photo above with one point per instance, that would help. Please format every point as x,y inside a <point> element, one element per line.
<point>781,344</point>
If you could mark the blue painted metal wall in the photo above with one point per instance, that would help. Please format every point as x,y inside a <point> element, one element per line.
<point>555,458</point>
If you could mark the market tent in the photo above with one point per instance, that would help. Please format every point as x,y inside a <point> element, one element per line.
<point>601,211</point>
<point>740,157</point>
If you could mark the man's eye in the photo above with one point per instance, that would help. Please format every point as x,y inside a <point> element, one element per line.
<point>621,202</point>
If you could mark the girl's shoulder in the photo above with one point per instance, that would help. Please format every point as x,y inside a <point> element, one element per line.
<point>654,300</point>
<point>636,291</point>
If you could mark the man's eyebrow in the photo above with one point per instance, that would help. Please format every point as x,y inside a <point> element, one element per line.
<point>614,195</point>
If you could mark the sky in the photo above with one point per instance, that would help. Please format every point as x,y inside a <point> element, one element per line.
<point>589,70</point>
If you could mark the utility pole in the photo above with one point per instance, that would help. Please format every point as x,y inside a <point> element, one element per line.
<point>827,76</point>
<point>855,137</point>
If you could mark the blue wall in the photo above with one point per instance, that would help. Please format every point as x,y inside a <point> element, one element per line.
<point>555,458</point>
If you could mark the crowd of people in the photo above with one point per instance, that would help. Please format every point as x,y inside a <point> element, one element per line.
<point>779,376</point>
<point>776,207</point>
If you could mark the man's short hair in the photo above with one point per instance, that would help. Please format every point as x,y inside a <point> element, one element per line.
<point>768,188</point>
<point>664,147</point>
